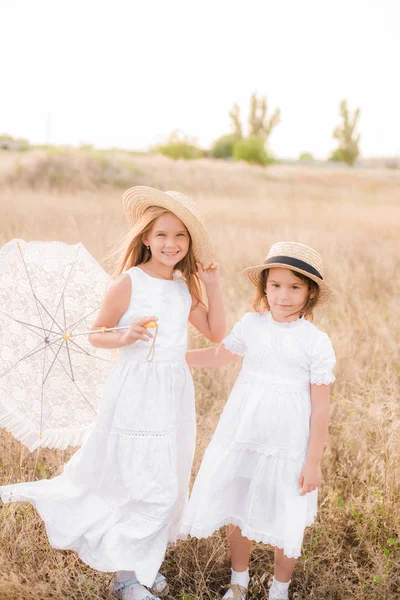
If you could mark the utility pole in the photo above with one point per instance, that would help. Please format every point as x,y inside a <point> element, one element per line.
<point>48,127</point>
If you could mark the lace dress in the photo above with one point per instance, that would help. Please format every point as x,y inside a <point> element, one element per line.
<point>250,471</point>
<point>120,498</point>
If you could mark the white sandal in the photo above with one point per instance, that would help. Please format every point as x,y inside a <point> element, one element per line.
<point>277,594</point>
<point>122,590</point>
<point>160,586</point>
<point>239,591</point>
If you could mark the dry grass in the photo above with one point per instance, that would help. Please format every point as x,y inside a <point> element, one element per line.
<point>353,551</point>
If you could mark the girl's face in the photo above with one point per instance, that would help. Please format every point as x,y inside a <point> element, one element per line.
<point>286,294</point>
<point>168,240</point>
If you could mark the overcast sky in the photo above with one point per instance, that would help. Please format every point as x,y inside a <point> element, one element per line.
<point>126,73</point>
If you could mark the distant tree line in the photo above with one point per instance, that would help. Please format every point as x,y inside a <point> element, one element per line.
<point>254,147</point>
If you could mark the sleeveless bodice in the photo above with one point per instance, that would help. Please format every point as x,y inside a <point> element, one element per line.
<point>169,300</point>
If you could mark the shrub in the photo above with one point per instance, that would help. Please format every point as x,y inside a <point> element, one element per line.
<point>223,146</point>
<point>180,150</point>
<point>251,150</point>
<point>306,156</point>
<point>179,146</point>
<point>7,142</point>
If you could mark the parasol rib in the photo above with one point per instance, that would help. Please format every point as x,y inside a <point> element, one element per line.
<point>47,312</point>
<point>54,360</point>
<point>26,325</point>
<point>85,353</point>
<point>84,397</point>
<point>30,283</point>
<point>41,398</point>
<point>69,360</point>
<point>29,354</point>
<point>73,381</point>
<point>77,323</point>
<point>66,283</point>
<point>80,347</point>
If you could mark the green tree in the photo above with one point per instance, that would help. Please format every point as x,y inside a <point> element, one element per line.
<point>347,137</point>
<point>260,125</point>
<point>234,114</point>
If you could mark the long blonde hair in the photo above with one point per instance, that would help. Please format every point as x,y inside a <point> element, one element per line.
<point>260,303</point>
<point>131,251</point>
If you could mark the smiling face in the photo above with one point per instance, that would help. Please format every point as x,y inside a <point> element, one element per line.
<point>287,294</point>
<point>168,240</point>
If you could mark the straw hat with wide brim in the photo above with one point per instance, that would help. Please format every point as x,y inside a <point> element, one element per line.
<point>297,257</point>
<point>137,199</point>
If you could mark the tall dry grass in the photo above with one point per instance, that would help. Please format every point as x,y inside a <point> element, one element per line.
<point>352,218</point>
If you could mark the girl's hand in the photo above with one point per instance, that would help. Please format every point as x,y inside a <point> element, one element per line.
<point>209,276</point>
<point>310,478</point>
<point>136,331</point>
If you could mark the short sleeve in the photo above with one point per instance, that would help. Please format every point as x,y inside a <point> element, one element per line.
<point>234,342</point>
<point>323,361</point>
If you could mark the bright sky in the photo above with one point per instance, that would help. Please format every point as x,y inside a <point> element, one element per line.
<point>126,73</point>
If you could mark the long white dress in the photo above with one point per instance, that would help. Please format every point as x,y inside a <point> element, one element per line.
<point>249,473</point>
<point>120,498</point>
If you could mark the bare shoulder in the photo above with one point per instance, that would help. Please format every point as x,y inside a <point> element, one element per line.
<point>121,284</point>
<point>116,301</point>
<point>119,290</point>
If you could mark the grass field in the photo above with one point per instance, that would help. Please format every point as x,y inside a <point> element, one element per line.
<point>353,219</point>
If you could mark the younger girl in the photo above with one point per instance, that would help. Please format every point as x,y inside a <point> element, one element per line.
<point>261,471</point>
<point>120,498</point>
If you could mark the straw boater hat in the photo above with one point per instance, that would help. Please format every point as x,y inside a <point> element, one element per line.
<point>137,199</point>
<point>296,257</point>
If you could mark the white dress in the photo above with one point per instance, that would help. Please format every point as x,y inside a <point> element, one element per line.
<point>120,498</point>
<point>250,471</point>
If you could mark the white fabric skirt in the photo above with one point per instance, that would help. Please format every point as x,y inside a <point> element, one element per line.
<point>250,471</point>
<point>120,499</point>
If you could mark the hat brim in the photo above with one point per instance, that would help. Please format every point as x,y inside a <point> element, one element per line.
<point>138,199</point>
<point>253,274</point>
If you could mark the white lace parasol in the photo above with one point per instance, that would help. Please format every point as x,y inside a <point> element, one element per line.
<point>51,378</point>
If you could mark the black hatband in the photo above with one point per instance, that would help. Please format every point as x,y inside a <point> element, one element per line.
<point>294,262</point>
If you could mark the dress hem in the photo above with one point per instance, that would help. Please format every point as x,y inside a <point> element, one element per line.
<point>251,534</point>
<point>85,557</point>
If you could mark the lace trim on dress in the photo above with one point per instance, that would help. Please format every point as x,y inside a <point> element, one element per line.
<point>232,346</point>
<point>144,433</point>
<point>322,379</point>
<point>268,451</point>
<point>292,552</point>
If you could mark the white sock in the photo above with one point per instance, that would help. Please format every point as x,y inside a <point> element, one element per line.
<point>240,578</point>
<point>278,589</point>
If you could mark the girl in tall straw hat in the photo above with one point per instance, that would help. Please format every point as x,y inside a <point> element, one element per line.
<point>120,499</point>
<point>261,471</point>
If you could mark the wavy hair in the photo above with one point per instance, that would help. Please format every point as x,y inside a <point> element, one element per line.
<point>131,251</point>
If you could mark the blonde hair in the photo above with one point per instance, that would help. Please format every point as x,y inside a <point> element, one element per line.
<point>260,303</point>
<point>131,251</point>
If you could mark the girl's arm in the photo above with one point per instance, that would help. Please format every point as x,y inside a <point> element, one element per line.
<point>210,357</point>
<point>310,476</point>
<point>114,305</point>
<point>210,321</point>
